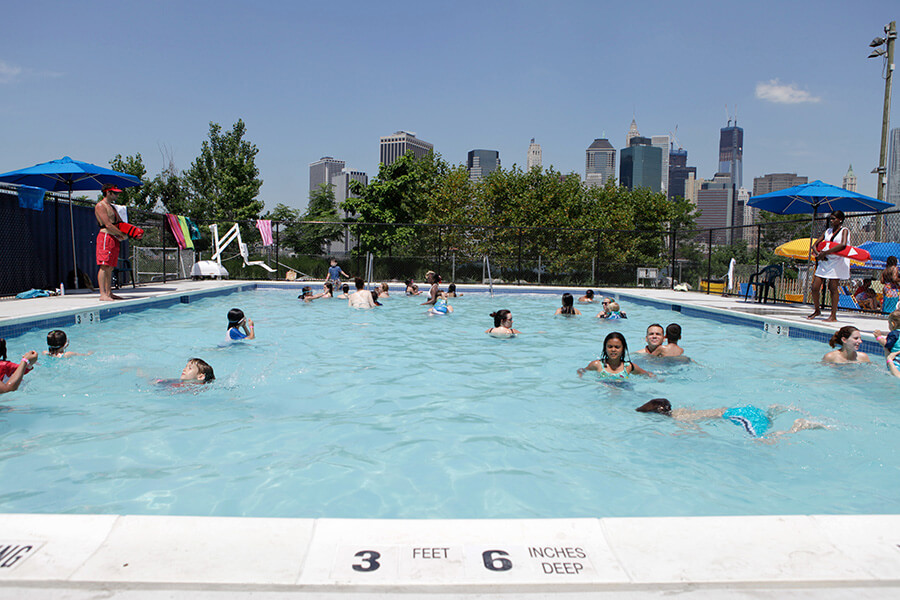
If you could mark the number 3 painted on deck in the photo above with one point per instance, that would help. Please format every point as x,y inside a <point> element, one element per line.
<point>370,557</point>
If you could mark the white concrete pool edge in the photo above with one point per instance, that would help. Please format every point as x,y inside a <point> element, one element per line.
<point>460,557</point>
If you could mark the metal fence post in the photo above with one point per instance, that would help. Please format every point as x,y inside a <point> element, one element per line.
<point>277,264</point>
<point>709,261</point>
<point>519,278</point>
<point>162,236</point>
<point>674,234</point>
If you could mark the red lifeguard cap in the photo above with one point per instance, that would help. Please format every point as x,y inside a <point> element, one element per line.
<point>111,188</point>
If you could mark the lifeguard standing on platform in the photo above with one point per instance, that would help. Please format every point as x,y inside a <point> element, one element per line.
<point>108,241</point>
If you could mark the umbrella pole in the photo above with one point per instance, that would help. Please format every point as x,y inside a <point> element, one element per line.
<point>809,263</point>
<point>72,229</point>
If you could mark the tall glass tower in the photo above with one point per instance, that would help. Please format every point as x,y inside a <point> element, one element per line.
<point>731,152</point>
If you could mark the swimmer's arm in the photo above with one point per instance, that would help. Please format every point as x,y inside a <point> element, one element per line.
<point>249,329</point>
<point>558,311</point>
<point>577,312</point>
<point>880,336</point>
<point>514,331</point>
<point>639,371</point>
<point>12,384</point>
<point>594,365</point>
<point>686,414</point>
<point>891,366</point>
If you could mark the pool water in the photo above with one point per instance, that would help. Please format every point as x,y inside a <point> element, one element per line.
<point>390,413</point>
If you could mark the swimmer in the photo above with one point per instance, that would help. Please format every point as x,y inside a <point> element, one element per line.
<point>411,288</point>
<point>57,344</point>
<point>345,292</point>
<point>451,291</point>
<point>588,297</point>
<point>567,308</point>
<point>754,420</point>
<point>503,320</point>
<point>236,322</point>
<point>327,292</point>
<point>613,363</point>
<point>383,290</point>
<point>361,298</point>
<point>305,293</point>
<point>654,340</point>
<point>196,371</point>
<point>374,294</point>
<point>11,373</point>
<point>890,340</point>
<point>892,363</point>
<point>671,349</point>
<point>613,311</point>
<point>441,307</point>
<point>604,303</point>
<point>848,339</point>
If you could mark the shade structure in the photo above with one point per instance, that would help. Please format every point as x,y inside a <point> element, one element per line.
<point>880,251</point>
<point>816,197</point>
<point>799,248</point>
<point>68,175</point>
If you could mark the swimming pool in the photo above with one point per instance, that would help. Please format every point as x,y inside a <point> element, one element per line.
<point>390,413</point>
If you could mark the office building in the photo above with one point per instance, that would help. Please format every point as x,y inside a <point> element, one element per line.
<point>341,182</point>
<point>481,163</point>
<point>599,163</point>
<point>718,200</point>
<point>534,156</point>
<point>321,171</point>
<point>679,173</point>
<point>849,181</point>
<point>772,182</point>
<point>641,165</point>
<point>396,145</point>
<point>731,152</point>
<point>632,133</point>
<point>662,142</point>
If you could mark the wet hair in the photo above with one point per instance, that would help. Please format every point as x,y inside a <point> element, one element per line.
<point>359,283</point>
<point>589,293</point>
<point>2,349</point>
<point>841,334</point>
<point>204,368</point>
<point>673,333</point>
<point>305,291</point>
<point>654,325</point>
<point>375,297</point>
<point>614,306</point>
<point>614,335</point>
<point>345,288</point>
<point>567,304</point>
<point>235,316</point>
<point>657,405</point>
<point>385,287</point>
<point>56,340</point>
<point>330,287</point>
<point>451,288</point>
<point>500,316</point>
<point>894,320</point>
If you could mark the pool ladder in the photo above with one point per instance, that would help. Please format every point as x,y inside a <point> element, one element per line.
<point>486,266</point>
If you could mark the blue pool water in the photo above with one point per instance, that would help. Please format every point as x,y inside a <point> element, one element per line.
<point>394,414</point>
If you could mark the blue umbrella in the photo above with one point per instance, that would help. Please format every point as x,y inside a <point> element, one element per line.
<point>66,174</point>
<point>879,253</point>
<point>816,197</point>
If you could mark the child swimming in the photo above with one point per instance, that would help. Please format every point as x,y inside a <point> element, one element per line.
<point>441,307</point>
<point>57,342</point>
<point>236,322</point>
<point>890,340</point>
<point>196,371</point>
<point>612,363</point>
<point>671,349</point>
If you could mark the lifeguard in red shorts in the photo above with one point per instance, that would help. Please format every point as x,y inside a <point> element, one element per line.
<point>108,240</point>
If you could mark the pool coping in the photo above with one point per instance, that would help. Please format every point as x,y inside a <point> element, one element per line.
<point>138,556</point>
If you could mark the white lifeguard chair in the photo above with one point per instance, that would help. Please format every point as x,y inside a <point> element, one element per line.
<point>213,267</point>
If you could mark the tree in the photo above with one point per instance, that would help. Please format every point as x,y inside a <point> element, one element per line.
<point>169,189</point>
<point>139,196</point>
<point>290,234</point>
<point>223,182</point>
<point>313,236</point>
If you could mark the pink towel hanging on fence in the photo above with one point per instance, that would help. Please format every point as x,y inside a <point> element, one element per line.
<point>265,230</point>
<point>175,226</point>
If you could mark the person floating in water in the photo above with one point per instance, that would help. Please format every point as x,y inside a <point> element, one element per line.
<point>442,306</point>
<point>654,339</point>
<point>57,342</point>
<point>196,371</point>
<point>237,322</point>
<point>588,297</point>
<point>613,362</point>
<point>849,340</point>
<point>753,420</point>
<point>503,321</point>
<point>568,309</point>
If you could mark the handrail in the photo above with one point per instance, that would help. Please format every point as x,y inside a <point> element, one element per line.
<point>486,263</point>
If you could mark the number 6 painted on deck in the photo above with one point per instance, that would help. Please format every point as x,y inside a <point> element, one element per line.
<point>371,561</point>
<point>490,560</point>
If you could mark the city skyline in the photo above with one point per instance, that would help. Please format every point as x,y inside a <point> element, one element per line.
<point>150,82</point>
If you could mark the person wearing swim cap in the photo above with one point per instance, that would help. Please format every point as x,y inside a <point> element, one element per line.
<point>236,323</point>
<point>57,342</point>
<point>752,419</point>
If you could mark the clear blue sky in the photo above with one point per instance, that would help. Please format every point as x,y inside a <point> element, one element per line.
<point>310,79</point>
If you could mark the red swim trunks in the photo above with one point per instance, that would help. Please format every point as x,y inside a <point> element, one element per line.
<point>107,250</point>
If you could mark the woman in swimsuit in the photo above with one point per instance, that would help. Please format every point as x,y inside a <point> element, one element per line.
<point>502,324</point>
<point>568,309</point>
<point>848,339</point>
<point>612,363</point>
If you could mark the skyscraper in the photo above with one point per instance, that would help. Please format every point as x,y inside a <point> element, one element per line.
<point>632,133</point>
<point>480,163</point>
<point>731,152</point>
<point>599,163</point>
<point>662,142</point>
<point>396,145</point>
<point>679,173</point>
<point>772,182</point>
<point>641,165</point>
<point>534,156</point>
<point>721,207</point>
<point>322,171</point>
<point>341,182</point>
<point>849,181</point>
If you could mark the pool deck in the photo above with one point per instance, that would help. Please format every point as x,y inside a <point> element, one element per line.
<point>137,557</point>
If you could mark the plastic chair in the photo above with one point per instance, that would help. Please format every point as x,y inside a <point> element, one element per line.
<point>763,281</point>
<point>123,269</point>
<point>846,299</point>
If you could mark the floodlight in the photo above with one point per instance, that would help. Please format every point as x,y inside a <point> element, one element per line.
<point>877,52</point>
<point>877,42</point>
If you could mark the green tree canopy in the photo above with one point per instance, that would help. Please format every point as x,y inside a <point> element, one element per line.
<point>223,182</point>
<point>139,196</point>
<point>314,236</point>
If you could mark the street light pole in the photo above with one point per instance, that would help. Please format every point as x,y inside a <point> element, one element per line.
<point>890,31</point>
